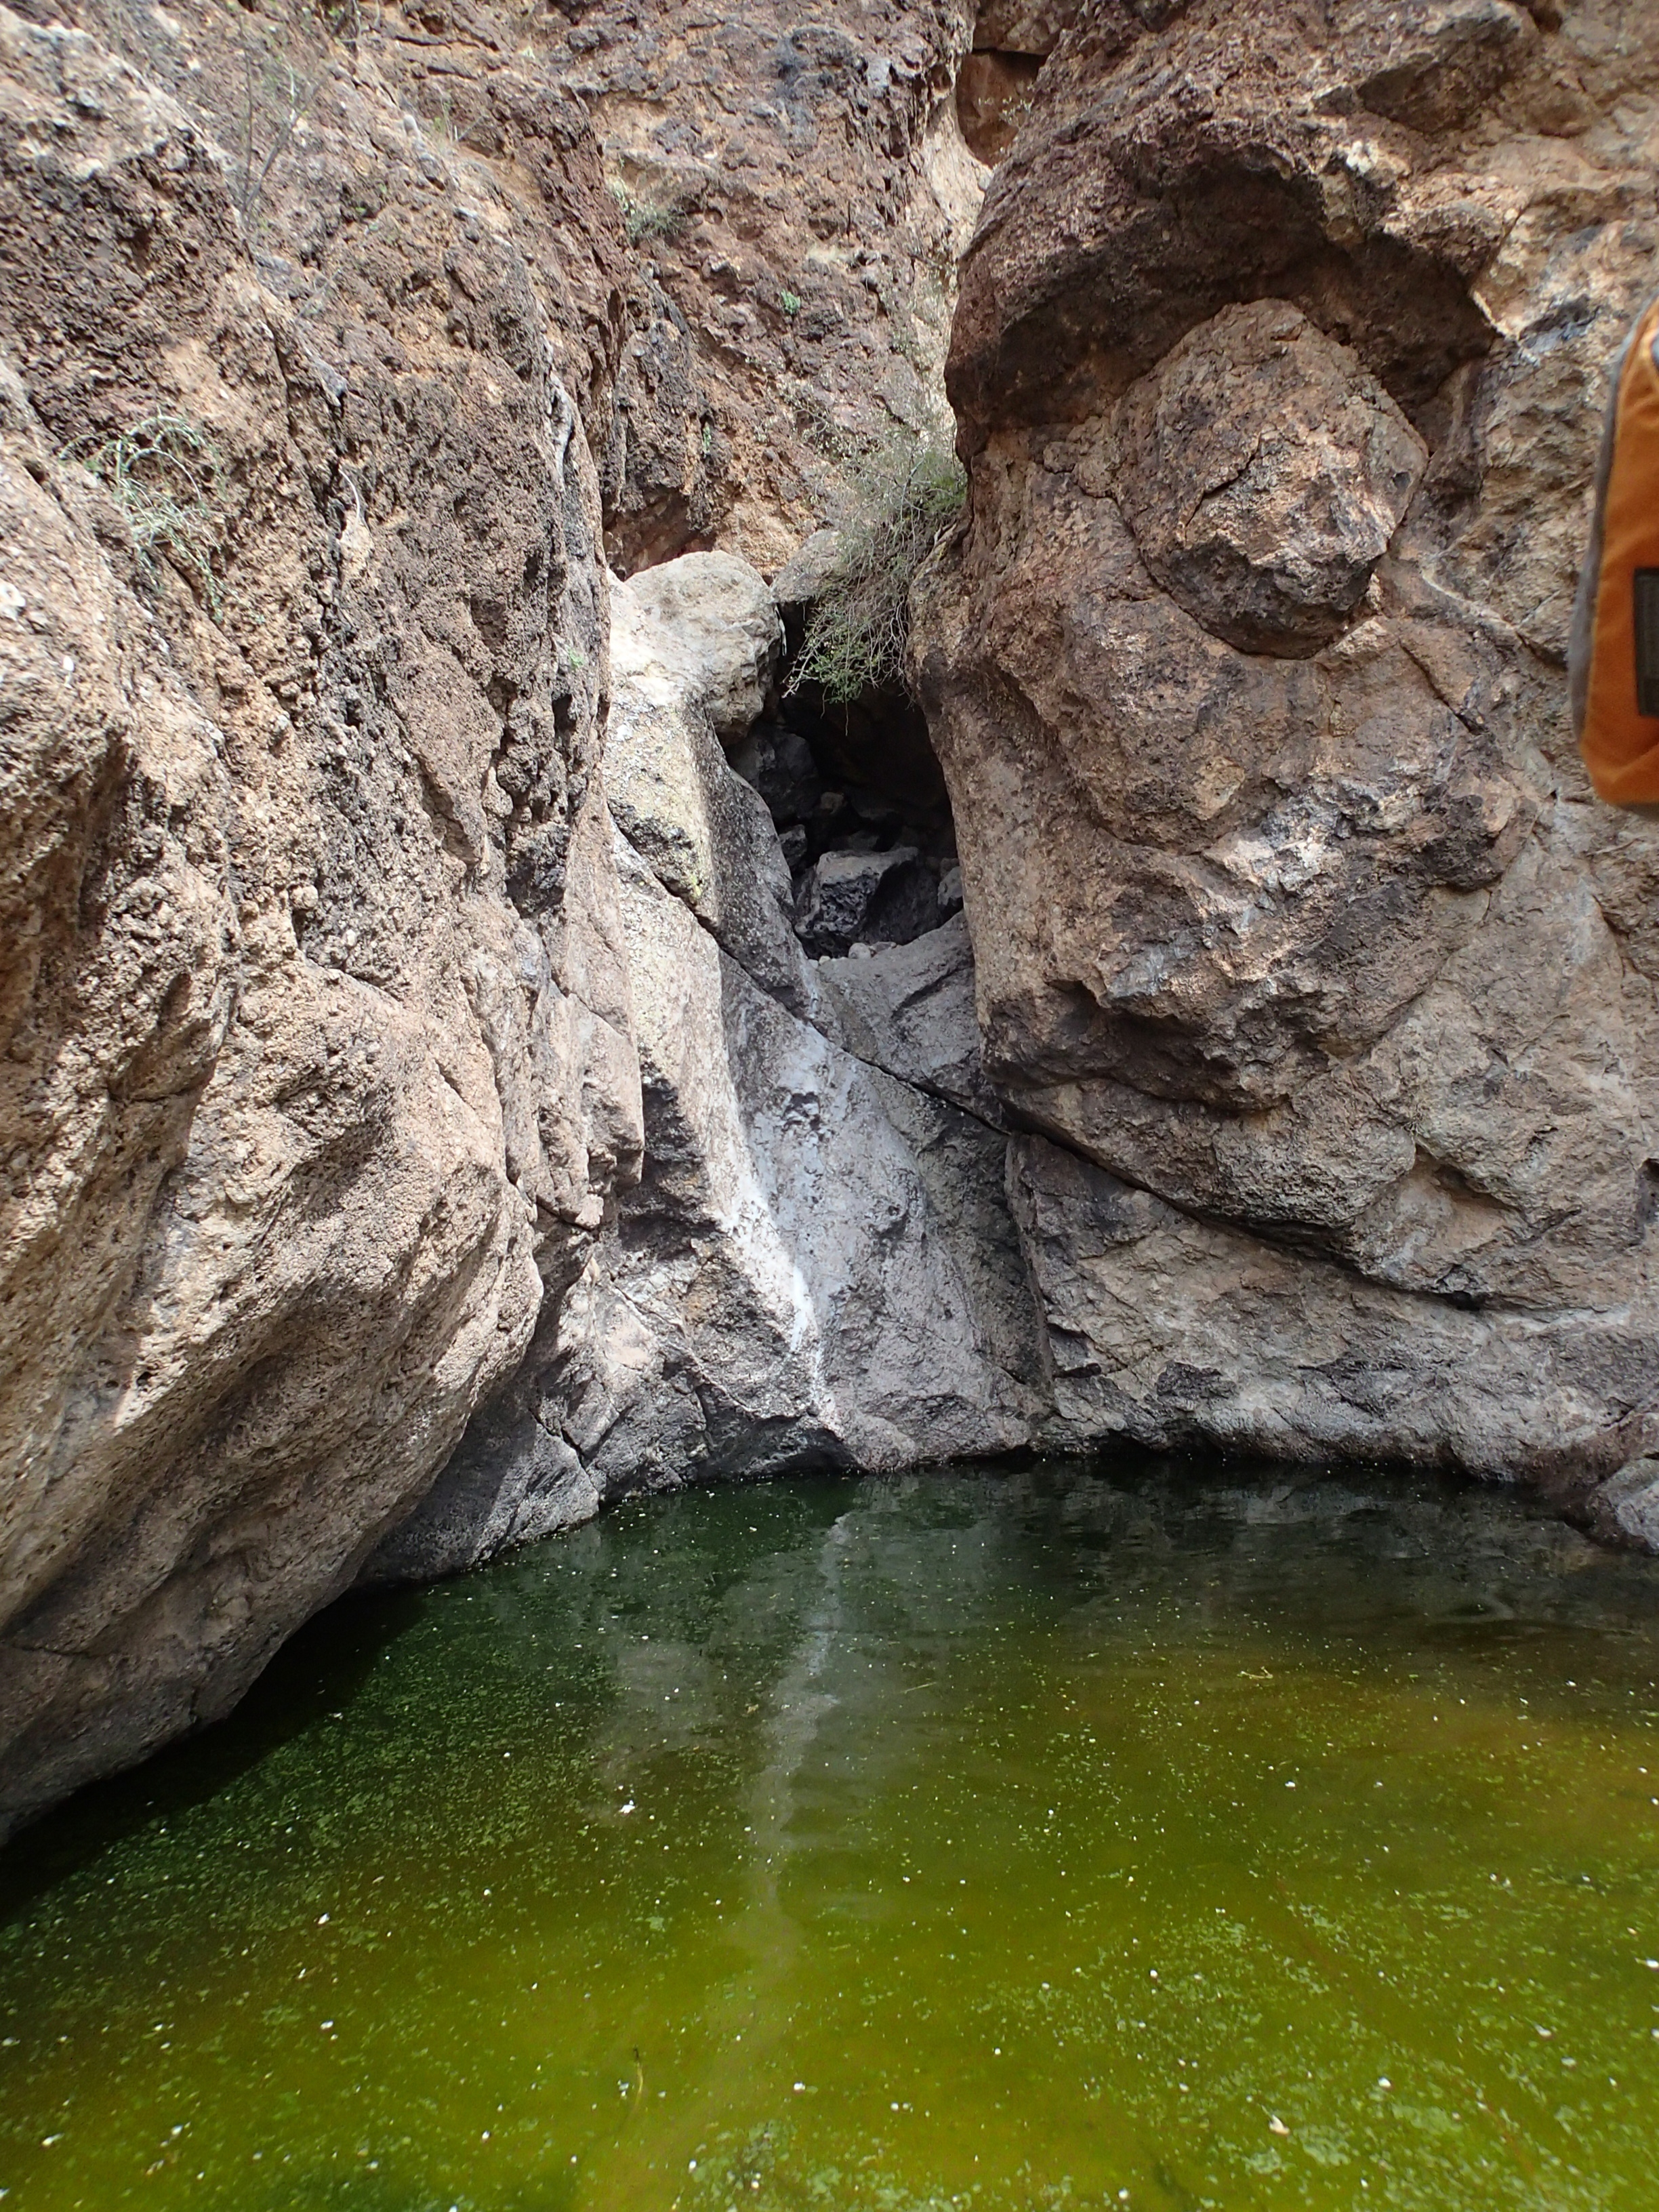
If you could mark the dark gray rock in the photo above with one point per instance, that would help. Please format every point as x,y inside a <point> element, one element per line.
<point>779,764</point>
<point>909,1009</point>
<point>905,907</point>
<point>849,898</point>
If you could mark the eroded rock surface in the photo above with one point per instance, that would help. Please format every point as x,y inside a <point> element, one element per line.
<point>331,342</point>
<point>798,194</point>
<point>1264,476</point>
<point>1280,358</point>
<point>818,1265</point>
<point>454,994</point>
<point>318,1063</point>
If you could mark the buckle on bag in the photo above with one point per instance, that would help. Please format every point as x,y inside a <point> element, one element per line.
<point>1647,642</point>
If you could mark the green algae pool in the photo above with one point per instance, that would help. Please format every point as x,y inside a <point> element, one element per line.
<point>1070,1835</point>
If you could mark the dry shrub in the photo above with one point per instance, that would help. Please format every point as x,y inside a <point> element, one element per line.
<point>905,496</point>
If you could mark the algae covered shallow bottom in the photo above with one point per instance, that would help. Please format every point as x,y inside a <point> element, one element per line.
<point>1068,1835</point>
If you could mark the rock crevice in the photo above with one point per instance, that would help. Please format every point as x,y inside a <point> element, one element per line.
<point>476,1042</point>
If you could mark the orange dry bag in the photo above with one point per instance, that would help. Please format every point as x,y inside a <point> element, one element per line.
<point>1613,659</point>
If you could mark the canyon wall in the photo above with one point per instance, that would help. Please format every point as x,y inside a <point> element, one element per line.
<point>329,356</point>
<point>318,1062</point>
<point>797,195</point>
<point>476,1045</point>
<point>1321,985</point>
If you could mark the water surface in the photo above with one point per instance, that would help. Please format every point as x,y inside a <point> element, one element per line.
<point>1070,1836</point>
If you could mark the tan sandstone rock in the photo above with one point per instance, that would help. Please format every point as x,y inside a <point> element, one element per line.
<point>317,1053</point>
<point>1280,356</point>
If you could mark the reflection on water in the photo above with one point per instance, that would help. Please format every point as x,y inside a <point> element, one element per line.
<point>1070,1835</point>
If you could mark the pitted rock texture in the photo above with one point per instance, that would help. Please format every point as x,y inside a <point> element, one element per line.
<point>1264,476</point>
<point>996,82</point>
<point>320,1083</point>
<point>317,1062</point>
<point>408,1032</point>
<point>1280,358</point>
<point>798,194</point>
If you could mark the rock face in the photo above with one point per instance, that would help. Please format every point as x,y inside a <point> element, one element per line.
<point>318,1057</point>
<point>1281,358</point>
<point>798,192</point>
<point>476,1045</point>
<point>817,1266</point>
<point>1263,475</point>
<point>997,84</point>
<point>331,342</point>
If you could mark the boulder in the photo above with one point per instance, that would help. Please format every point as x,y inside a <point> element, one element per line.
<point>727,639</point>
<point>846,898</point>
<point>819,1268</point>
<point>1280,358</point>
<point>704,831</point>
<point>1263,474</point>
<point>909,1009</point>
<point>809,570</point>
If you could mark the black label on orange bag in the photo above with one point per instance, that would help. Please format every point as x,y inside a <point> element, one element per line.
<point>1647,641</point>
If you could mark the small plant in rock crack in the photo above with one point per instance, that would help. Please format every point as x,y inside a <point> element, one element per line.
<point>643,219</point>
<point>166,476</point>
<point>790,303</point>
<point>905,495</point>
<point>275,100</point>
<point>442,128</point>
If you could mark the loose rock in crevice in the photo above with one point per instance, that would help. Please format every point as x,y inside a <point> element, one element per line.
<point>860,803</point>
<point>997,82</point>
